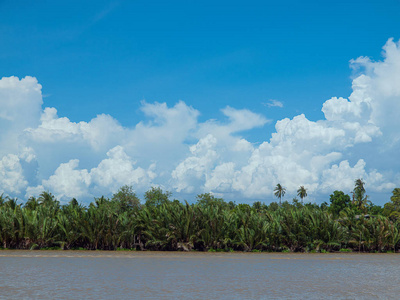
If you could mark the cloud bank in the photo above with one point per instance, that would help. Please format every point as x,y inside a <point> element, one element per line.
<point>358,138</point>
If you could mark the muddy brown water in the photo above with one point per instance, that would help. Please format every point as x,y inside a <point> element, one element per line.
<point>170,275</point>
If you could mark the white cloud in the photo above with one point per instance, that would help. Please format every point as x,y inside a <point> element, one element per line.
<point>118,170</point>
<point>192,171</point>
<point>20,107</point>
<point>98,133</point>
<point>303,152</point>
<point>342,177</point>
<point>172,149</point>
<point>163,136</point>
<point>382,89</point>
<point>221,178</point>
<point>239,120</point>
<point>111,173</point>
<point>12,180</point>
<point>243,119</point>
<point>274,103</point>
<point>300,134</point>
<point>68,182</point>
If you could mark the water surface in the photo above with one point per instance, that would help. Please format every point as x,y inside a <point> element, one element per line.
<point>154,275</point>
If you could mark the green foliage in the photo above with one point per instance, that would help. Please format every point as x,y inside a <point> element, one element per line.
<point>273,206</point>
<point>324,206</point>
<point>156,197</point>
<point>210,224</point>
<point>302,192</point>
<point>375,210</point>
<point>208,199</point>
<point>359,198</point>
<point>126,198</point>
<point>345,250</point>
<point>392,208</point>
<point>259,206</point>
<point>279,192</point>
<point>339,201</point>
<point>297,203</point>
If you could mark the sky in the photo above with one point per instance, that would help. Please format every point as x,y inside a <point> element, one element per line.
<point>224,97</point>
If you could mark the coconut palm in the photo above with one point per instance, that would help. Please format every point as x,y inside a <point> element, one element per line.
<point>279,192</point>
<point>302,192</point>
<point>359,188</point>
<point>358,191</point>
<point>359,198</point>
<point>396,196</point>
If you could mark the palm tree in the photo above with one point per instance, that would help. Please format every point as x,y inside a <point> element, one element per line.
<point>302,192</point>
<point>359,197</point>
<point>279,192</point>
<point>395,198</point>
<point>252,232</point>
<point>359,190</point>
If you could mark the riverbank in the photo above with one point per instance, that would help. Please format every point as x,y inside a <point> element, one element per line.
<point>58,249</point>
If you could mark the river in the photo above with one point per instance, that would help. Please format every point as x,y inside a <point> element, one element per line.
<point>168,275</point>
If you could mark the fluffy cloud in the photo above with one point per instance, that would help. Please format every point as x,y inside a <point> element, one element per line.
<point>67,181</point>
<point>20,107</point>
<point>242,119</point>
<point>381,89</point>
<point>303,152</point>
<point>118,169</point>
<point>11,175</point>
<point>163,136</point>
<point>111,173</point>
<point>195,169</point>
<point>172,149</point>
<point>98,133</point>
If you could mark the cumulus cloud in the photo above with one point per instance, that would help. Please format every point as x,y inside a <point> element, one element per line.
<point>195,169</point>
<point>118,169</point>
<point>162,137</point>
<point>382,88</point>
<point>11,175</point>
<point>341,176</point>
<point>171,148</point>
<point>68,181</point>
<point>303,152</point>
<point>20,107</point>
<point>99,132</point>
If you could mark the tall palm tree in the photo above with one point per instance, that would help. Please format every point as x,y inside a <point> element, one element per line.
<point>359,190</point>
<point>359,197</point>
<point>302,192</point>
<point>279,192</point>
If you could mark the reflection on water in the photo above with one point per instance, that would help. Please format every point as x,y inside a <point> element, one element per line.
<point>154,275</point>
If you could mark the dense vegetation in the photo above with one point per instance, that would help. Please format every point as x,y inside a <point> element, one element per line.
<point>210,224</point>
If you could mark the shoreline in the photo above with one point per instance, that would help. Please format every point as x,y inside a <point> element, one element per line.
<point>122,252</point>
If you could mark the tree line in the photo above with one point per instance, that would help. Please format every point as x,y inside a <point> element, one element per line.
<point>209,224</point>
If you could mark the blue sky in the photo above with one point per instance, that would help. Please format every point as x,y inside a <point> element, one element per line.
<point>106,57</point>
